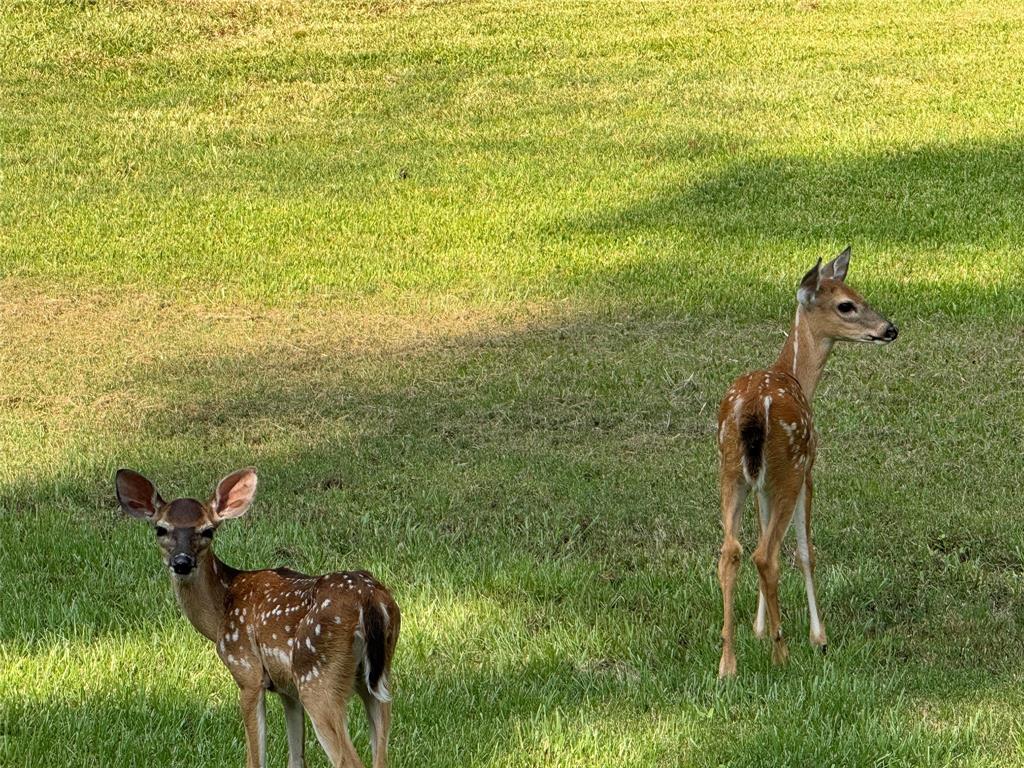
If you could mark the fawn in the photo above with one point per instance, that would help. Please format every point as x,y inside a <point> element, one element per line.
<point>309,639</point>
<point>766,442</point>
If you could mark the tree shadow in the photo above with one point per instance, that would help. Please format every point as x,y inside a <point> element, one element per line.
<point>928,196</point>
<point>451,458</point>
<point>543,503</point>
<point>940,221</point>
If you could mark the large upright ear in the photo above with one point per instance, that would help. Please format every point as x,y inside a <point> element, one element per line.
<point>136,495</point>
<point>838,267</point>
<point>809,285</point>
<point>234,494</point>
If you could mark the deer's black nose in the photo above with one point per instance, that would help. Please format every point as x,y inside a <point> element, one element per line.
<point>891,332</point>
<point>183,564</point>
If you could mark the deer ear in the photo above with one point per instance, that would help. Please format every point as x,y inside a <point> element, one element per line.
<point>234,494</point>
<point>136,495</point>
<point>809,285</point>
<point>838,267</point>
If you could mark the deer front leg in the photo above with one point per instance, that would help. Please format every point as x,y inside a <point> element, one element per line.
<point>254,718</point>
<point>295,720</point>
<point>805,556</point>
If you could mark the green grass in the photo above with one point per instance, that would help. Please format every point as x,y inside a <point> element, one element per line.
<point>465,282</point>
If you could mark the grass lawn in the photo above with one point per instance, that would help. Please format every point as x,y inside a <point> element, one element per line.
<point>465,281</point>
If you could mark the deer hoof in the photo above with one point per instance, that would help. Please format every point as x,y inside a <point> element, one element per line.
<point>780,653</point>
<point>727,666</point>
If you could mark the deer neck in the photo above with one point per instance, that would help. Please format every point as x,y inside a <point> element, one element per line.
<point>804,354</point>
<point>202,597</point>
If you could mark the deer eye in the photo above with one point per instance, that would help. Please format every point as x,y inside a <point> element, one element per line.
<point>161,531</point>
<point>846,307</point>
<point>208,533</point>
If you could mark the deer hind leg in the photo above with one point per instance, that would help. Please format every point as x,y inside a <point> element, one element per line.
<point>295,720</point>
<point>780,503</point>
<point>733,496</point>
<point>330,722</point>
<point>805,557</point>
<point>326,700</point>
<point>760,626</point>
<point>379,715</point>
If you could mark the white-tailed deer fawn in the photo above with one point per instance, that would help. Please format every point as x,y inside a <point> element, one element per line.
<point>310,639</point>
<point>766,442</point>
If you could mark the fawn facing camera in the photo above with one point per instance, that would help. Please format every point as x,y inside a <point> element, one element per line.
<point>312,640</point>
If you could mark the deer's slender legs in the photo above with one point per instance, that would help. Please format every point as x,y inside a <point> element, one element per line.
<point>781,503</point>
<point>759,621</point>
<point>327,705</point>
<point>254,717</point>
<point>379,714</point>
<point>295,720</point>
<point>805,557</point>
<point>733,496</point>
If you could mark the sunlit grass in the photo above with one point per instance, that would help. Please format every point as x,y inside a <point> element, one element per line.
<point>465,282</point>
<point>397,152</point>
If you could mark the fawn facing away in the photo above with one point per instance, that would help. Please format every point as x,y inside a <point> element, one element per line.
<point>766,442</point>
<point>310,639</point>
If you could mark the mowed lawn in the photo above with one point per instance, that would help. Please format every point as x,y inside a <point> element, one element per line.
<point>465,281</point>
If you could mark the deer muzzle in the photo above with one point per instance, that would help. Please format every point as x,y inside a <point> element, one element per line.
<point>182,564</point>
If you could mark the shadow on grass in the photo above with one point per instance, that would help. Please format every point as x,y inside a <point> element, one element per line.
<point>542,502</point>
<point>926,196</point>
<point>942,219</point>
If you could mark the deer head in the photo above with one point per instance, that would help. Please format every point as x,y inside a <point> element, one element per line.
<point>184,528</point>
<point>838,312</point>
